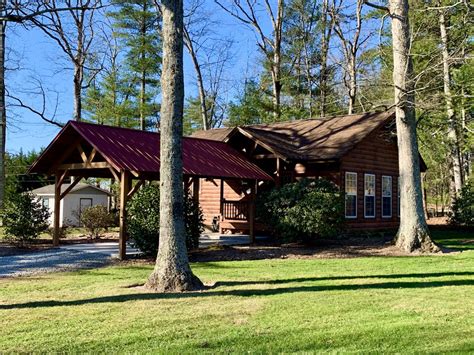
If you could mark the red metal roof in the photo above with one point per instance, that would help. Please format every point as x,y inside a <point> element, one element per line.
<point>139,151</point>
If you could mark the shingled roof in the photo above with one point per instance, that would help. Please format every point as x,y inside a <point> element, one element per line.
<point>313,139</point>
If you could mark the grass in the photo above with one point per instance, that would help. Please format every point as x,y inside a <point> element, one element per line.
<point>372,304</point>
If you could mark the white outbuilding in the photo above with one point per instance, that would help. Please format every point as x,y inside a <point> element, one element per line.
<point>80,197</point>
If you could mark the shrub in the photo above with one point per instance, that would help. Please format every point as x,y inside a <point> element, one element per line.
<point>96,219</point>
<point>144,220</point>
<point>24,218</point>
<point>303,210</point>
<point>463,206</point>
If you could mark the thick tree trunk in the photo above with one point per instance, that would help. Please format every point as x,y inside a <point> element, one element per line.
<point>3,113</point>
<point>78,77</point>
<point>172,272</point>
<point>352,85</point>
<point>413,234</point>
<point>455,156</point>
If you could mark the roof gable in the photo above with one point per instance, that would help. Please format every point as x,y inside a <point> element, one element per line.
<point>313,139</point>
<point>139,152</point>
<point>49,189</point>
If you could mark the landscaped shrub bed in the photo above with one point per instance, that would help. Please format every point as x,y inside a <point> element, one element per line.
<point>303,211</point>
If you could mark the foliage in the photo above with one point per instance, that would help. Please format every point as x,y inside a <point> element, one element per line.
<point>16,179</point>
<point>24,218</point>
<point>303,210</point>
<point>144,220</point>
<point>463,206</point>
<point>96,219</point>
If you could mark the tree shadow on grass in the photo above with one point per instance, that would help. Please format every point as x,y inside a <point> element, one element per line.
<point>145,296</point>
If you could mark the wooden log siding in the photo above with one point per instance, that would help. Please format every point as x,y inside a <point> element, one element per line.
<point>375,155</point>
<point>209,196</point>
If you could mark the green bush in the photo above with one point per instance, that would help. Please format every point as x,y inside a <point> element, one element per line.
<point>463,207</point>
<point>24,218</point>
<point>96,219</point>
<point>303,210</point>
<point>144,220</point>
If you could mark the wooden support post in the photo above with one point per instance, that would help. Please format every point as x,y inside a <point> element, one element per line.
<point>196,190</point>
<point>124,189</point>
<point>57,209</point>
<point>278,173</point>
<point>221,201</point>
<point>252,212</point>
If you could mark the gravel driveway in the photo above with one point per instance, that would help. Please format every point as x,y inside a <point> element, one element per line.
<point>86,255</point>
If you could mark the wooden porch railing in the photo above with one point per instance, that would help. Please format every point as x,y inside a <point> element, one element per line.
<point>236,210</point>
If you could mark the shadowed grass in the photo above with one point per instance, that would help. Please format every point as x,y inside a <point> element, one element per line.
<point>374,304</point>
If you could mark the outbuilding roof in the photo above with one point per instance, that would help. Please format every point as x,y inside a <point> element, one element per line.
<point>326,138</point>
<point>49,189</point>
<point>139,152</point>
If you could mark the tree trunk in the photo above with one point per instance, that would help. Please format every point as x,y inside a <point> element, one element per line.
<point>456,172</point>
<point>200,81</point>
<point>78,76</point>
<point>172,272</point>
<point>143,73</point>
<point>3,113</point>
<point>352,85</point>
<point>324,58</point>
<point>413,234</point>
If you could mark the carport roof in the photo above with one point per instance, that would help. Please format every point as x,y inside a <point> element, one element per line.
<point>139,151</point>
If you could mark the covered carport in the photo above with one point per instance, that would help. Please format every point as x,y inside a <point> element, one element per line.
<point>85,150</point>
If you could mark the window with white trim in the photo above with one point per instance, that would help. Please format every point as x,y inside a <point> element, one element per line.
<point>386,196</point>
<point>351,195</point>
<point>369,195</point>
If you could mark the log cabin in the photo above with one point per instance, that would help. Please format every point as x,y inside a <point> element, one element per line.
<point>357,152</point>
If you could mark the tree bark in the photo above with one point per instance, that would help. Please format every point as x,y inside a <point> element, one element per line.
<point>323,75</point>
<point>78,79</point>
<point>172,272</point>
<point>413,234</point>
<point>3,113</point>
<point>456,172</point>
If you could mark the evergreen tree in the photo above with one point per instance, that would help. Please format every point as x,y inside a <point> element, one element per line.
<point>138,26</point>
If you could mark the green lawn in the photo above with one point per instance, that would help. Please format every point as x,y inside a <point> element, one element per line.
<point>372,304</point>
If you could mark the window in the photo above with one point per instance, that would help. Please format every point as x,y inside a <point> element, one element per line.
<point>351,195</point>
<point>386,196</point>
<point>369,196</point>
<point>84,203</point>
<point>45,202</point>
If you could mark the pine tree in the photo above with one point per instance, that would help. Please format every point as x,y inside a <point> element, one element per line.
<point>138,25</point>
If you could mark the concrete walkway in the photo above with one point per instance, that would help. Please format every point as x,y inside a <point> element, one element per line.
<point>87,255</point>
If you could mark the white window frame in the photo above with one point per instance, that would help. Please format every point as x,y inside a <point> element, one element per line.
<point>391,195</point>
<point>366,195</point>
<point>350,194</point>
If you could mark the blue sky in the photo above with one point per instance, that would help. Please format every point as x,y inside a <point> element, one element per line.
<point>40,59</point>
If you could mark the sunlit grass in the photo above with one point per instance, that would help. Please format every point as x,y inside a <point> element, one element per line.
<point>375,304</point>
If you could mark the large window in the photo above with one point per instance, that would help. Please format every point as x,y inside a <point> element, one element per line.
<point>386,196</point>
<point>351,195</point>
<point>369,196</point>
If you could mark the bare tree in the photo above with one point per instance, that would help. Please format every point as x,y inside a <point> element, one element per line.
<point>209,55</point>
<point>350,46</point>
<point>73,31</point>
<point>172,271</point>
<point>413,234</point>
<point>327,26</point>
<point>455,155</point>
<point>270,44</point>
<point>20,12</point>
